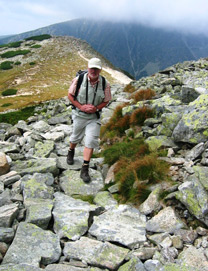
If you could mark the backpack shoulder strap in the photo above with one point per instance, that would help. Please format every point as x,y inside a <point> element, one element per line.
<point>79,82</point>
<point>103,82</point>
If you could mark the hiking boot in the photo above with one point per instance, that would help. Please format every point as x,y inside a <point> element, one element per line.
<point>70,157</point>
<point>84,174</point>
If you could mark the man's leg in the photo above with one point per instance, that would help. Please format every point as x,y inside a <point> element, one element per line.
<point>77,135</point>
<point>87,154</point>
<point>70,155</point>
<point>92,132</point>
<point>84,174</point>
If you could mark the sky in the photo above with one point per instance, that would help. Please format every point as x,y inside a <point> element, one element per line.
<point>18,16</point>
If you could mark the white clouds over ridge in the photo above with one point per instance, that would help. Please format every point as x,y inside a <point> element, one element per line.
<point>25,15</point>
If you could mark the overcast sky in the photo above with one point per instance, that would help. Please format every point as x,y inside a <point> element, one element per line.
<point>18,16</point>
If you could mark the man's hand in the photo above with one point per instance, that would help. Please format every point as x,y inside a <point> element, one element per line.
<point>88,108</point>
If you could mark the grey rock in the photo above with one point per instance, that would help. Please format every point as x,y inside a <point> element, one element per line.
<point>54,136</point>
<point>144,253</point>
<point>202,175</point>
<point>64,128</point>
<point>193,257</point>
<point>193,195</point>
<point>71,216</point>
<point>196,151</point>
<point>169,254</point>
<point>43,149</point>
<point>64,267</point>
<point>6,234</point>
<point>165,221</point>
<point>4,165</point>
<point>158,237</point>
<point>72,184</point>
<point>105,199</point>
<point>40,126</point>
<point>1,187</point>
<point>188,236</point>
<point>133,265</point>
<point>8,214</point>
<point>96,253</point>
<point>193,124</point>
<point>22,126</point>
<point>153,265</point>
<point>33,186</point>
<point>32,245</point>
<point>188,94</point>
<point>125,225</point>
<point>10,178</point>
<point>19,267</point>
<point>152,203</point>
<point>62,164</point>
<point>5,197</point>
<point>39,212</point>
<point>41,165</point>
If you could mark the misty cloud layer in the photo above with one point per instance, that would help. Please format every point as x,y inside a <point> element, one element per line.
<point>183,15</point>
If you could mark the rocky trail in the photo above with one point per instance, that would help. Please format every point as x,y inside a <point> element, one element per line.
<point>50,220</point>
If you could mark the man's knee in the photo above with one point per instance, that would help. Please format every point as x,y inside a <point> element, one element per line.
<point>92,142</point>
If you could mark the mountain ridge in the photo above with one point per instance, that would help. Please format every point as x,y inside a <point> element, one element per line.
<point>137,49</point>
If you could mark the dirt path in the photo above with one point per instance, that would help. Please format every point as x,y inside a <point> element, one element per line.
<point>119,76</point>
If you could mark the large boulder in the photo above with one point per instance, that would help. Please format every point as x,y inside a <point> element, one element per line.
<point>32,245</point>
<point>122,224</point>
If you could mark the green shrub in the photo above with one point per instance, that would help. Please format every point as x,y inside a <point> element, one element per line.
<point>35,46</point>
<point>32,63</point>
<point>6,105</point>
<point>15,53</point>
<point>9,92</point>
<point>139,115</point>
<point>143,94</point>
<point>126,149</point>
<point>116,125</point>
<point>15,44</point>
<point>134,178</point>
<point>6,65</point>
<point>14,117</point>
<point>40,37</point>
<point>129,88</point>
<point>17,63</point>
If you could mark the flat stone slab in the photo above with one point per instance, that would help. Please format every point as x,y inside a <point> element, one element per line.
<point>39,212</point>
<point>72,184</point>
<point>71,216</point>
<point>32,245</point>
<point>96,253</point>
<point>7,214</point>
<point>124,224</point>
<point>40,165</point>
<point>19,267</point>
<point>35,186</point>
<point>65,267</point>
<point>165,221</point>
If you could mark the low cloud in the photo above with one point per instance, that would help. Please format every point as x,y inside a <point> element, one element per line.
<point>182,15</point>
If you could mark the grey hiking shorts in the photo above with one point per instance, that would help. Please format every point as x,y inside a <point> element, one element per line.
<point>90,129</point>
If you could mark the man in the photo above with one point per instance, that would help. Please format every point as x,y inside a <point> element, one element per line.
<point>90,100</point>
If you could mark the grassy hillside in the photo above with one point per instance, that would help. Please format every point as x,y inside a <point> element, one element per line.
<point>33,71</point>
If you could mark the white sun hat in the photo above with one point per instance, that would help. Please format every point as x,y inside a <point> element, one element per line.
<point>95,63</point>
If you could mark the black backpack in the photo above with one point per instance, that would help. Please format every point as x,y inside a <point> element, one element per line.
<point>81,74</point>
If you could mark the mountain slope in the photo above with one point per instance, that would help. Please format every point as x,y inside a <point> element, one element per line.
<point>46,71</point>
<point>139,50</point>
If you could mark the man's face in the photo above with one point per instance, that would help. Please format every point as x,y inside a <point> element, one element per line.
<point>94,73</point>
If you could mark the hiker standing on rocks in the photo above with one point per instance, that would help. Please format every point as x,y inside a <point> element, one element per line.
<point>89,93</point>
